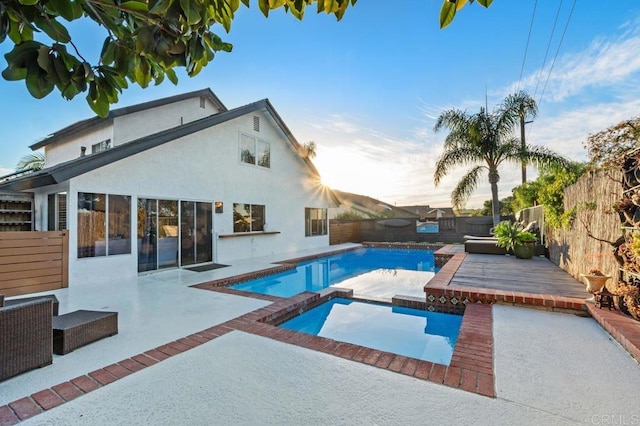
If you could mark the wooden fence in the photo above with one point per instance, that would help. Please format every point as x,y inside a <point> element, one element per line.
<point>572,249</point>
<point>31,262</point>
<point>449,230</point>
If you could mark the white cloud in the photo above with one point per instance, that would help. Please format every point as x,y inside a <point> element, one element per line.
<point>588,91</point>
<point>605,63</point>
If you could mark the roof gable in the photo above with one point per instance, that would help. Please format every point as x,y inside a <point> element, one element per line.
<point>97,122</point>
<point>76,167</point>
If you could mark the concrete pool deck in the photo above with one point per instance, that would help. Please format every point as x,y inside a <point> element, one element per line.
<point>545,369</point>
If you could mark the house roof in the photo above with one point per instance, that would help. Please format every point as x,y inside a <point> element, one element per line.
<point>371,204</point>
<point>426,210</point>
<point>98,122</point>
<point>70,169</point>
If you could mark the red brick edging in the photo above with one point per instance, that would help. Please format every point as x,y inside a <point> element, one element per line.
<point>623,328</point>
<point>443,297</point>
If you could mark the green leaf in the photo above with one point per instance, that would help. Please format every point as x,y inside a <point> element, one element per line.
<point>264,7</point>
<point>97,103</point>
<point>14,74</point>
<point>191,12</point>
<point>485,3</point>
<point>37,83</point>
<point>136,6</point>
<point>28,2</point>
<point>274,4</point>
<point>69,92</point>
<point>24,54</point>
<point>69,10</point>
<point>171,75</point>
<point>43,58</point>
<point>107,56</point>
<point>161,7</point>
<point>18,32</point>
<point>53,29</point>
<point>61,70</point>
<point>447,13</point>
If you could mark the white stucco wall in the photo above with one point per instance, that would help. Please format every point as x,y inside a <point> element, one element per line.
<point>69,149</point>
<point>130,127</point>
<point>133,126</point>
<point>206,167</point>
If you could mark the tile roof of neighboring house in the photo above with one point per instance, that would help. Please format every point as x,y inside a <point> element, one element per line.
<point>97,122</point>
<point>69,169</point>
<point>371,204</point>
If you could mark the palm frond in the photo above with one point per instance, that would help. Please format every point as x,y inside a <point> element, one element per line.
<point>541,156</point>
<point>460,156</point>
<point>31,162</point>
<point>466,186</point>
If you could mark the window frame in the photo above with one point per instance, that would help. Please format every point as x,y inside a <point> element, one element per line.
<point>101,146</point>
<point>103,226</point>
<point>309,227</point>
<point>258,159</point>
<point>260,212</point>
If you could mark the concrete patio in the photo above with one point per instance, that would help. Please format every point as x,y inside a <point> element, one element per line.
<point>545,367</point>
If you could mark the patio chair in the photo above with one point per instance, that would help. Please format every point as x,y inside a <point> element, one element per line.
<point>26,338</point>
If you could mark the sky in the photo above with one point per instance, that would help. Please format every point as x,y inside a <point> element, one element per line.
<point>368,89</point>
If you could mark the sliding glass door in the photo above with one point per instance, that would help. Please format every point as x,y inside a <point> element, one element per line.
<point>173,233</point>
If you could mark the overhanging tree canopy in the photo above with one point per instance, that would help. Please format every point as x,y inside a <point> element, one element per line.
<point>146,40</point>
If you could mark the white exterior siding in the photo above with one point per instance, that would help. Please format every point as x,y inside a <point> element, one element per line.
<point>204,166</point>
<point>147,122</point>
<point>69,149</point>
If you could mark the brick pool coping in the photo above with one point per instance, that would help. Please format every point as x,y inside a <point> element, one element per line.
<point>471,366</point>
<point>443,297</point>
<point>623,328</point>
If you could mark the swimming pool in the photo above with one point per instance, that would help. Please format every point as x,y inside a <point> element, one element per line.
<point>371,272</point>
<point>429,336</point>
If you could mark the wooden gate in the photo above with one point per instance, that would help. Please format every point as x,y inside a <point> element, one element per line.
<point>31,262</point>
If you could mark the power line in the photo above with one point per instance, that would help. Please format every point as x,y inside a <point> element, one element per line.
<point>526,49</point>
<point>554,60</point>
<point>557,51</point>
<point>544,61</point>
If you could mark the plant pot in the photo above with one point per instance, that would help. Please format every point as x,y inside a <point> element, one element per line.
<point>525,250</point>
<point>595,282</point>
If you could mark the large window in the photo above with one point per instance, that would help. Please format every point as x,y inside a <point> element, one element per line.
<point>315,222</point>
<point>255,151</point>
<point>104,224</point>
<point>248,217</point>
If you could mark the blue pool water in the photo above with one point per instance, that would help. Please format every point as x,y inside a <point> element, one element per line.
<point>371,272</point>
<point>430,336</point>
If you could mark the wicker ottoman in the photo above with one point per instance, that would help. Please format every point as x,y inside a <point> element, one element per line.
<point>75,329</point>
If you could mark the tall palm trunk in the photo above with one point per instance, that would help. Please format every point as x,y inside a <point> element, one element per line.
<point>493,180</point>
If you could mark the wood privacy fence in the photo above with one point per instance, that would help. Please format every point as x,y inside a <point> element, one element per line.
<point>448,230</point>
<point>31,262</point>
<point>572,249</point>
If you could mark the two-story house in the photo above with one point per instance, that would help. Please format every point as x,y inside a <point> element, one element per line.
<point>176,182</point>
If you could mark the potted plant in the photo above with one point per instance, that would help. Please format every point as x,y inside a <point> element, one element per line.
<point>595,280</point>
<point>511,237</point>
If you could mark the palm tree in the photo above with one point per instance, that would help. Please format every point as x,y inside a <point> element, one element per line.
<point>485,138</point>
<point>31,162</point>
<point>524,105</point>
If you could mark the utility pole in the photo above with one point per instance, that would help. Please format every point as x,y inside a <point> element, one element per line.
<point>523,146</point>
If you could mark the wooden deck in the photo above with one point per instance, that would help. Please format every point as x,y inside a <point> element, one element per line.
<point>506,273</point>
